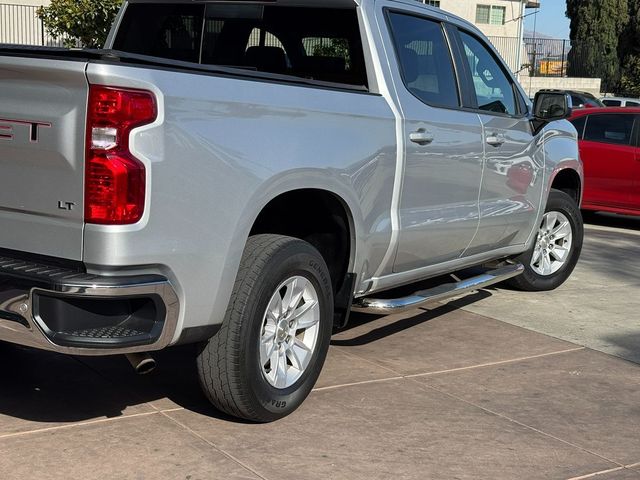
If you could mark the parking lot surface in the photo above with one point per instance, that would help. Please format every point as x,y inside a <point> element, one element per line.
<point>497,385</point>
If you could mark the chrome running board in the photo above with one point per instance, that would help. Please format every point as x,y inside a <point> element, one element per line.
<point>383,306</point>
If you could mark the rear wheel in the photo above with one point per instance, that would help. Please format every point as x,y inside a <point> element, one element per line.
<point>268,354</point>
<point>555,253</point>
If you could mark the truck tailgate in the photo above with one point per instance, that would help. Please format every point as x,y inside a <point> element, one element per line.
<point>42,139</point>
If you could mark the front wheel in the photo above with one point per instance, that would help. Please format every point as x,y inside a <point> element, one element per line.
<point>555,253</point>
<point>268,354</point>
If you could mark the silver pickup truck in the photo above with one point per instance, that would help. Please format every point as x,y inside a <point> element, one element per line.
<point>242,175</point>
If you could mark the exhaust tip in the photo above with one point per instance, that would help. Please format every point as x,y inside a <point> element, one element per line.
<point>142,363</point>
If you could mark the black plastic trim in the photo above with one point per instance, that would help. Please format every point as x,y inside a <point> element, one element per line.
<point>55,275</point>
<point>13,317</point>
<point>198,334</point>
<point>343,301</point>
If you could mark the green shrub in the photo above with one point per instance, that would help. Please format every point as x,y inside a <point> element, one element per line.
<point>87,21</point>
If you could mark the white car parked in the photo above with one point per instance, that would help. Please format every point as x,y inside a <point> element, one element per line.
<point>621,102</point>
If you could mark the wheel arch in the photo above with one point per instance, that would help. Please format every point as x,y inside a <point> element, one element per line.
<point>569,181</point>
<point>319,216</point>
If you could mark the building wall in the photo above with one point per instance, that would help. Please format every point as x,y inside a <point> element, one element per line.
<point>467,10</point>
<point>20,25</point>
<point>37,3</point>
<point>534,84</point>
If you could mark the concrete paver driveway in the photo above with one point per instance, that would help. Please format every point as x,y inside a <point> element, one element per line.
<point>460,391</point>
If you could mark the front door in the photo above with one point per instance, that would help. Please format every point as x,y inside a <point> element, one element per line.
<point>439,204</point>
<point>513,178</point>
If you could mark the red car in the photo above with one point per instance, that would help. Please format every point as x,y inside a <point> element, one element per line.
<point>609,141</point>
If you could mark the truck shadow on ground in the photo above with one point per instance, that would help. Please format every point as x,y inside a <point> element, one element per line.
<point>42,388</point>
<point>51,388</point>
<point>378,333</point>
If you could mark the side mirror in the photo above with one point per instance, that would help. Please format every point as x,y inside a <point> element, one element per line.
<point>549,107</point>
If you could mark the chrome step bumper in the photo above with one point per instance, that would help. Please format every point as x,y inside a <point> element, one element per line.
<point>382,306</point>
<point>66,310</point>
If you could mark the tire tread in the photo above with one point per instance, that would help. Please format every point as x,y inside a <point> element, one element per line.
<point>221,380</point>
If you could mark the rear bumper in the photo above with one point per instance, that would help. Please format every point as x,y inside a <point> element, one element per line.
<point>63,309</point>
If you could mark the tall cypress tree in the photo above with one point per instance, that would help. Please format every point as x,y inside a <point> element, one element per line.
<point>596,27</point>
<point>629,52</point>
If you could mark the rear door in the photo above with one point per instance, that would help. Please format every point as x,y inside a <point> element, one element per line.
<point>609,157</point>
<point>42,125</point>
<point>443,145</point>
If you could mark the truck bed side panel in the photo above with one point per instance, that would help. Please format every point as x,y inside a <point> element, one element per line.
<point>222,149</point>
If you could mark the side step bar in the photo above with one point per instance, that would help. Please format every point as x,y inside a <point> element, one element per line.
<point>384,306</point>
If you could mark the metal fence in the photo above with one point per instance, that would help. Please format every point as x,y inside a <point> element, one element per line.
<point>548,57</point>
<point>539,57</point>
<point>19,24</point>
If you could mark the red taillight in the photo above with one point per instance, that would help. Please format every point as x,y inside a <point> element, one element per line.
<point>115,179</point>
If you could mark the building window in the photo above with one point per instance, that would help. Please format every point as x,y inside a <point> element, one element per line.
<point>433,3</point>
<point>490,15</point>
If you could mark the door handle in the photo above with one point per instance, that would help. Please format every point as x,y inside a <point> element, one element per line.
<point>421,137</point>
<point>496,140</point>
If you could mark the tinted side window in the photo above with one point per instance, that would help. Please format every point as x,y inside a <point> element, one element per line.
<point>632,104</point>
<point>579,123</point>
<point>494,90</point>
<point>166,31</point>
<point>314,43</point>
<point>593,102</point>
<point>577,102</point>
<point>610,128</point>
<point>424,58</point>
<point>612,103</point>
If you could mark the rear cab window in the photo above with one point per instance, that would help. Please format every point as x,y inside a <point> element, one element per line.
<point>322,44</point>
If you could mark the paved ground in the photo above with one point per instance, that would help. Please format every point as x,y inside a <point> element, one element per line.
<point>455,392</point>
<point>598,307</point>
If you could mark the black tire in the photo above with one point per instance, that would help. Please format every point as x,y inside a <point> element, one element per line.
<point>530,280</point>
<point>229,363</point>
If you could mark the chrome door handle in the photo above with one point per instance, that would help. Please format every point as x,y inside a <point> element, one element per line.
<point>421,137</point>
<point>496,140</point>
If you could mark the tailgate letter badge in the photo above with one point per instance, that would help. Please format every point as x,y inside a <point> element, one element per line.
<point>68,206</point>
<point>6,131</point>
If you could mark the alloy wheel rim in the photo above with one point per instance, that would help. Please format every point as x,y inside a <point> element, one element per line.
<point>553,245</point>
<point>289,332</point>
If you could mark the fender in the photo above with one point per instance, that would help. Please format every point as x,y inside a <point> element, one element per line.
<point>563,155</point>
